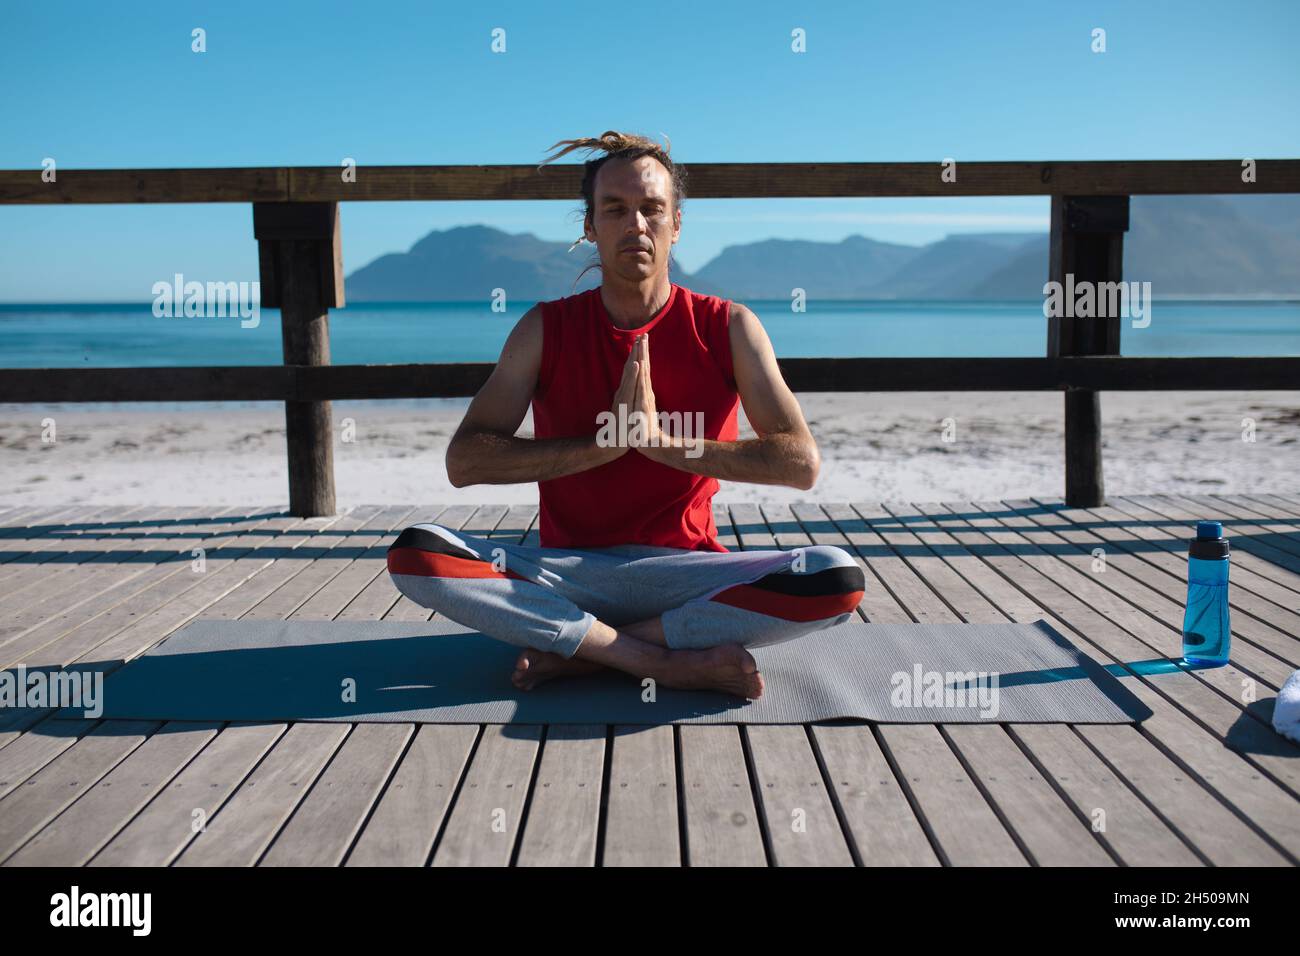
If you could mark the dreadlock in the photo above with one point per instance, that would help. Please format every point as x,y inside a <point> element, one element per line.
<point>616,145</point>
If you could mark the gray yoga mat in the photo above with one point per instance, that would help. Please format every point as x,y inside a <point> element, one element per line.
<point>441,672</point>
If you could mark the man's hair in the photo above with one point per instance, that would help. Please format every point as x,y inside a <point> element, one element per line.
<point>616,145</point>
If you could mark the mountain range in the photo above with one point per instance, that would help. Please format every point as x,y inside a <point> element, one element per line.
<point>1182,245</point>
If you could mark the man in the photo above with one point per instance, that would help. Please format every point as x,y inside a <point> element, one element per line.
<point>630,574</point>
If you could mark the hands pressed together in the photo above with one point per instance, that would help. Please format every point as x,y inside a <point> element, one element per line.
<point>636,393</point>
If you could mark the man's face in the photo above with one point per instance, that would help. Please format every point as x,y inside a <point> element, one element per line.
<point>633,222</point>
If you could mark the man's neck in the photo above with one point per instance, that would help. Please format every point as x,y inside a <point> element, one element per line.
<point>632,305</point>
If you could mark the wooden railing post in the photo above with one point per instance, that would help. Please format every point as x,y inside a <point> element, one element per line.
<point>300,261</point>
<point>1087,243</point>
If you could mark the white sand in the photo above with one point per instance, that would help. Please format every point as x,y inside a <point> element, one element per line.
<point>875,446</point>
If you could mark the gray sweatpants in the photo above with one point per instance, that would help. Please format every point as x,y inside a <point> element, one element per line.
<point>548,598</point>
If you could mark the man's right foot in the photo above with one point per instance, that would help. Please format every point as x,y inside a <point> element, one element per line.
<point>728,668</point>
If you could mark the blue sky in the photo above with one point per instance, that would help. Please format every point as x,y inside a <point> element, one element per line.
<point>117,85</point>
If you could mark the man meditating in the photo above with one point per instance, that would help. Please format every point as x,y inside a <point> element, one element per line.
<point>634,388</point>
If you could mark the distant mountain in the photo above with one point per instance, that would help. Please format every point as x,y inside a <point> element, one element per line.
<point>1215,245</point>
<point>466,263</point>
<point>1182,245</point>
<point>849,269</point>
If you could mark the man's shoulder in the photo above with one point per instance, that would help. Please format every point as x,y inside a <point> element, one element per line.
<point>706,303</point>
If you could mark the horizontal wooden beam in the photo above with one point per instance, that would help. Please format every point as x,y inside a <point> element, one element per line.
<point>277,383</point>
<point>704,181</point>
<point>236,184</point>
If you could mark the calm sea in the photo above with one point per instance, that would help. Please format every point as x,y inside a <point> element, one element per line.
<point>100,335</point>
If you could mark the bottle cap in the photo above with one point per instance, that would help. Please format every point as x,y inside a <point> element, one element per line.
<point>1209,543</point>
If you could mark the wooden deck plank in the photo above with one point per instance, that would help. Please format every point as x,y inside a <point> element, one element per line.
<point>1262,622</point>
<point>63,566</point>
<point>802,825</point>
<point>32,751</point>
<point>246,824</point>
<point>721,819</point>
<point>909,591</point>
<point>1281,529</point>
<point>35,520</point>
<point>25,810</point>
<point>1251,547</point>
<point>1269,504</point>
<point>881,821</point>
<point>1119,817</point>
<point>79,832</point>
<point>20,556</point>
<point>1277,532</point>
<point>87,626</point>
<point>412,808</point>
<point>324,825</point>
<point>156,835</point>
<point>716,807</point>
<point>1212,827</point>
<point>294,549</point>
<point>346,580</point>
<point>965,828</point>
<point>487,817</point>
<point>501,809</point>
<point>123,579</point>
<point>642,827</point>
<point>1049,831</point>
<point>186,596</point>
<point>803,828</point>
<point>563,820</point>
<point>312,568</point>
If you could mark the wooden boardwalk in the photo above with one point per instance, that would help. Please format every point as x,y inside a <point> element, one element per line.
<point>1205,781</point>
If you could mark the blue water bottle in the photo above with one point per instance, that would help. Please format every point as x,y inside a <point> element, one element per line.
<point>1206,633</point>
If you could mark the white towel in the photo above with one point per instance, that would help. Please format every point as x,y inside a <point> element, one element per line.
<point>1286,712</point>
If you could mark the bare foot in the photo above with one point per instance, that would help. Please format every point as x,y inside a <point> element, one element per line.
<point>534,667</point>
<point>728,668</point>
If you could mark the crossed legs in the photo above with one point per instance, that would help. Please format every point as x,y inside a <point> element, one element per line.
<point>696,615</point>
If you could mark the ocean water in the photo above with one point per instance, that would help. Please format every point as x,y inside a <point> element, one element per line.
<point>104,335</point>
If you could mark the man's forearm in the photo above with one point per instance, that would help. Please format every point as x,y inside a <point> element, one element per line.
<point>491,458</point>
<point>777,459</point>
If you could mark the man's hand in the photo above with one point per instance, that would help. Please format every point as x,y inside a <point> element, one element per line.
<point>634,402</point>
<point>645,396</point>
<point>625,397</point>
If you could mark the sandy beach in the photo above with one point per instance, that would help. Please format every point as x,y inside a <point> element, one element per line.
<point>875,446</point>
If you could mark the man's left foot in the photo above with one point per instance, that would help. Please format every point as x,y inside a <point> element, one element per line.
<point>535,667</point>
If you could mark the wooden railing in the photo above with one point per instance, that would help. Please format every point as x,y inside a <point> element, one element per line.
<point>296,225</point>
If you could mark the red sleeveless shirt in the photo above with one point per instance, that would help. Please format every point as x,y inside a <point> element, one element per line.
<point>633,500</point>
